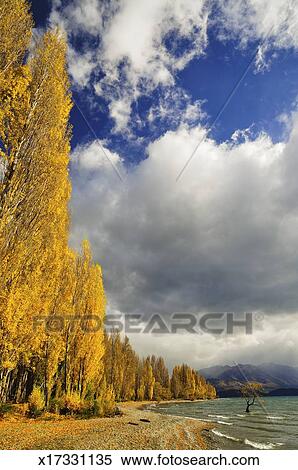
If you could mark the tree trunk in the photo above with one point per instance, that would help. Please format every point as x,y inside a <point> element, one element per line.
<point>65,385</point>
<point>46,384</point>
<point>249,405</point>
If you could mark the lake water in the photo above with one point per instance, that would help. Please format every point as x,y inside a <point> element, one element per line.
<point>271,424</point>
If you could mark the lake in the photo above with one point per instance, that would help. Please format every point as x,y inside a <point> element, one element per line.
<point>271,424</point>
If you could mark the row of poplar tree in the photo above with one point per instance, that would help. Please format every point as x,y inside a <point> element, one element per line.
<point>134,378</point>
<point>41,277</point>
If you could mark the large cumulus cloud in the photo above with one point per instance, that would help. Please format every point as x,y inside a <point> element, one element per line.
<point>222,238</point>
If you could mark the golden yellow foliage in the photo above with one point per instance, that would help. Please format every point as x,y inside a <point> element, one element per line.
<point>187,384</point>
<point>36,402</point>
<point>34,197</point>
<point>15,33</point>
<point>42,281</point>
<point>133,378</point>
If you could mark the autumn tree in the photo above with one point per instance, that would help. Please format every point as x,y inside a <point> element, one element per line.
<point>129,377</point>
<point>134,378</point>
<point>114,364</point>
<point>83,362</point>
<point>121,365</point>
<point>161,389</point>
<point>148,379</point>
<point>34,195</point>
<point>187,384</point>
<point>15,33</point>
<point>42,280</point>
<point>251,391</point>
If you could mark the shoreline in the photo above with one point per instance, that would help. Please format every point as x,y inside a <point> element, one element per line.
<point>144,403</point>
<point>192,433</point>
<point>138,428</point>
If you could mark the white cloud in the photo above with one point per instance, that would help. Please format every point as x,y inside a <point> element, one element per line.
<point>262,63</point>
<point>131,51</point>
<point>80,66</point>
<point>276,22</point>
<point>120,111</point>
<point>135,37</point>
<point>221,239</point>
<point>78,16</point>
<point>174,107</point>
<point>94,156</point>
<point>136,33</point>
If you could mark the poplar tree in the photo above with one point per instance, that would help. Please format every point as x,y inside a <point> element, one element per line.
<point>34,197</point>
<point>15,34</point>
<point>40,277</point>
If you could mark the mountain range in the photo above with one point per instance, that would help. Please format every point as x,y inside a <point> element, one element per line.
<point>277,379</point>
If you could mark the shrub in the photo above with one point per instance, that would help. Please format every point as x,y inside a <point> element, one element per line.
<point>104,405</point>
<point>4,409</point>
<point>36,403</point>
<point>71,404</point>
<point>21,408</point>
<point>109,403</point>
<point>55,405</point>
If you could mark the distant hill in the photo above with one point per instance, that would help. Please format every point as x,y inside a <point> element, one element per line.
<point>274,377</point>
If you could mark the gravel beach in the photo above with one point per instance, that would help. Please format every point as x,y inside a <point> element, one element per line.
<point>121,432</point>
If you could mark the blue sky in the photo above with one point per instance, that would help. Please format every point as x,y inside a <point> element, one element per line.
<point>149,78</point>
<point>259,102</point>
